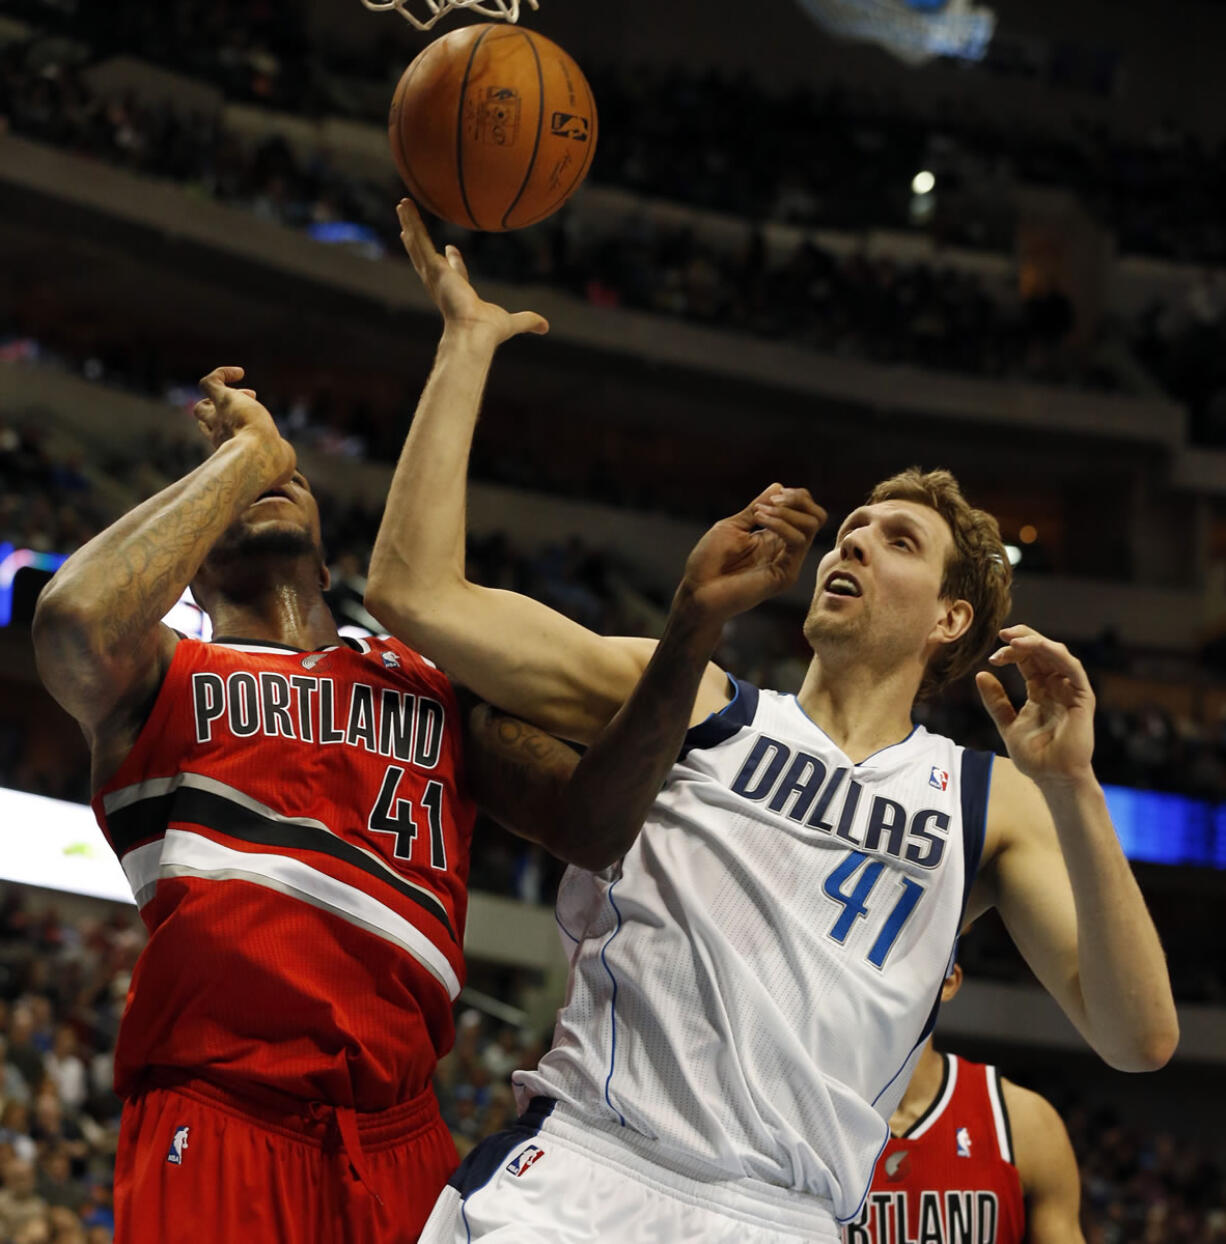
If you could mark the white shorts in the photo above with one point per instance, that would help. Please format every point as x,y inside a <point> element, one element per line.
<point>548,1181</point>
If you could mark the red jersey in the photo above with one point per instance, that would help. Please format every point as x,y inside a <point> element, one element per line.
<point>950,1179</point>
<point>294,828</point>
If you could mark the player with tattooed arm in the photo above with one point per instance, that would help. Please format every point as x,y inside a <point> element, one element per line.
<point>293,811</point>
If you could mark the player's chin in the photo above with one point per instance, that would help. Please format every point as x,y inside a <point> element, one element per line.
<point>272,536</point>
<point>826,623</point>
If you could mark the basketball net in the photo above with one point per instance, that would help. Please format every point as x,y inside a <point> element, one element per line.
<point>499,10</point>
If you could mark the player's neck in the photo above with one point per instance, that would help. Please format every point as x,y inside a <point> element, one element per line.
<point>921,1092</point>
<point>861,709</point>
<point>283,615</point>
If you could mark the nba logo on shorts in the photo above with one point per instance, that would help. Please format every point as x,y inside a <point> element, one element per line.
<point>524,1159</point>
<point>938,778</point>
<point>964,1143</point>
<point>177,1145</point>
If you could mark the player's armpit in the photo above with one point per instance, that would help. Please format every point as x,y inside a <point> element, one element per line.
<point>525,657</point>
<point>1047,1166</point>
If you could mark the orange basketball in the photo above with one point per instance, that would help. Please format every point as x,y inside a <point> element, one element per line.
<point>493,127</point>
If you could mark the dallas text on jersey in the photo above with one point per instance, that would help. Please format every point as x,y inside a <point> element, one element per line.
<point>797,785</point>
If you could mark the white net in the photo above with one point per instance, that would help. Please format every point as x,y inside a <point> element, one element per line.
<point>424,13</point>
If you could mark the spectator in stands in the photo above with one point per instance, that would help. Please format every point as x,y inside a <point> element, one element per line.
<point>66,1070</point>
<point>19,1200</point>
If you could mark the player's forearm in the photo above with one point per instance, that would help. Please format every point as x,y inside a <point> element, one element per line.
<point>116,588</point>
<point>613,787</point>
<point>419,550</point>
<point>1125,986</point>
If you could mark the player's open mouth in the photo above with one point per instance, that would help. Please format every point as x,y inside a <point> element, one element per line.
<point>273,494</point>
<point>840,583</point>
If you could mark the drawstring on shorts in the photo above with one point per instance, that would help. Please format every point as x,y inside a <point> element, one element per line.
<point>343,1120</point>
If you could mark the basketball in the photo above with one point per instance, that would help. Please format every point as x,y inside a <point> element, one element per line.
<point>493,127</point>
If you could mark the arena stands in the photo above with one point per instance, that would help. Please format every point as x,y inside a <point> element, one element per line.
<point>846,303</point>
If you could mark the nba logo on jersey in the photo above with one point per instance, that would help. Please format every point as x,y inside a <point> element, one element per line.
<point>938,778</point>
<point>964,1143</point>
<point>391,660</point>
<point>524,1159</point>
<point>177,1144</point>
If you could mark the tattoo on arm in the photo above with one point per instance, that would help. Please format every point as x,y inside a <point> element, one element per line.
<point>119,586</point>
<point>517,772</point>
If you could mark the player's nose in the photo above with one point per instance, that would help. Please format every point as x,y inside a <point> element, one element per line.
<point>853,547</point>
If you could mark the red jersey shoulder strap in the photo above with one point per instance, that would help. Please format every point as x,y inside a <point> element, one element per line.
<point>1000,1113</point>
<point>974,1092</point>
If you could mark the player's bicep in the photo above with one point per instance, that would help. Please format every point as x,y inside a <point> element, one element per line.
<point>522,656</point>
<point>1030,885</point>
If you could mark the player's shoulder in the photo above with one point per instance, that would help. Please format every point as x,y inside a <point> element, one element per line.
<point>1042,1150</point>
<point>1030,1113</point>
<point>395,653</point>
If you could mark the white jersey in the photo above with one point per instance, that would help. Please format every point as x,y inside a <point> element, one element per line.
<point>751,984</point>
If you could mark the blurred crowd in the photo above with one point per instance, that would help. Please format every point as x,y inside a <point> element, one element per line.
<point>833,157</point>
<point>880,309</point>
<point>62,989</point>
<point>1181,341</point>
<point>1139,1187</point>
<point>854,305</point>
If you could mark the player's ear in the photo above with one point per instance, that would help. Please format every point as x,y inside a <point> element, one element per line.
<point>325,576</point>
<point>954,621</point>
<point>953,982</point>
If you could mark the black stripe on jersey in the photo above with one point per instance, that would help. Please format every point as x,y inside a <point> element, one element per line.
<point>975,783</point>
<point>720,727</point>
<point>148,818</point>
<point>932,1105</point>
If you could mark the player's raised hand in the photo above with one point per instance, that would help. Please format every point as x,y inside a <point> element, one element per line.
<point>227,411</point>
<point>1051,737</point>
<point>751,556</point>
<point>446,280</point>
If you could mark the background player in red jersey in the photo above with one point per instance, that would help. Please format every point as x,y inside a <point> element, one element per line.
<point>293,815</point>
<point>972,1159</point>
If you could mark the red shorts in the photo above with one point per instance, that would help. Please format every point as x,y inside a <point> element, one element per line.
<point>202,1166</point>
